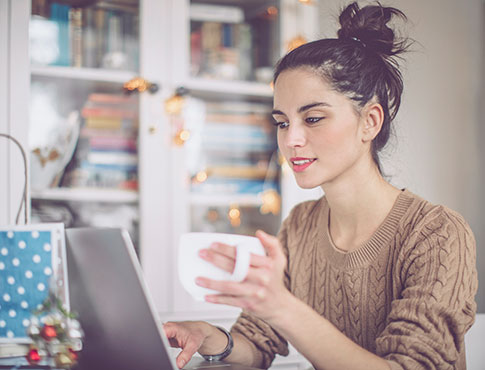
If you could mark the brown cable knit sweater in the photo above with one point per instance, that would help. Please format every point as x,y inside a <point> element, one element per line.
<point>406,295</point>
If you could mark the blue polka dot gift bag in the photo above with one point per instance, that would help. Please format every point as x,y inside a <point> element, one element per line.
<point>32,263</point>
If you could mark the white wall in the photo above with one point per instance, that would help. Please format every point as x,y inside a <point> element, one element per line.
<point>440,133</point>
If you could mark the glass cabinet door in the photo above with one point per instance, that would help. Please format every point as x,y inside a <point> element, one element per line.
<point>232,166</point>
<point>226,168</point>
<point>83,131</point>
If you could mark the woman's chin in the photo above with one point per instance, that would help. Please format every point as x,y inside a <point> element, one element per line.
<point>307,184</point>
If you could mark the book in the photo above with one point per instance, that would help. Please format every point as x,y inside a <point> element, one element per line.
<point>75,37</point>
<point>259,119</point>
<point>104,122</point>
<point>113,99</point>
<point>128,144</point>
<point>216,13</point>
<point>242,172</point>
<point>59,13</point>
<point>227,186</point>
<point>112,157</point>
<point>235,107</point>
<point>89,41</point>
<point>103,111</point>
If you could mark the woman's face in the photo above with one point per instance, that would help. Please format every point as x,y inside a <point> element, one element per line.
<point>319,131</point>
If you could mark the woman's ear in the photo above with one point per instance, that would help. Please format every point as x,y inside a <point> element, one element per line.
<point>373,117</point>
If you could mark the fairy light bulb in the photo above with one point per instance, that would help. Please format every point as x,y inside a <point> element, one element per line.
<point>234,215</point>
<point>174,104</point>
<point>271,202</point>
<point>296,42</point>
<point>181,137</point>
<point>272,11</point>
<point>201,176</point>
<point>213,215</point>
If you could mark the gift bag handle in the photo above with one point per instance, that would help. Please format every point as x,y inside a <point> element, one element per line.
<point>23,201</point>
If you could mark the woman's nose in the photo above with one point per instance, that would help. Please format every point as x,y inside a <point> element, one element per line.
<point>295,136</point>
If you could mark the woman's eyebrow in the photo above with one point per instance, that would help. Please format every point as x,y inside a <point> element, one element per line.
<point>313,105</point>
<point>276,111</point>
<point>304,107</point>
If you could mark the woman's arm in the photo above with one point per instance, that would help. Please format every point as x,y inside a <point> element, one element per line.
<point>264,295</point>
<point>426,324</point>
<point>202,337</point>
<point>322,343</point>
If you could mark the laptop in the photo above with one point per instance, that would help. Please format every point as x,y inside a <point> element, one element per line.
<point>114,308</point>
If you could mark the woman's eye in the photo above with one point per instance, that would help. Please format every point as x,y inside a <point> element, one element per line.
<point>281,124</point>
<point>313,119</point>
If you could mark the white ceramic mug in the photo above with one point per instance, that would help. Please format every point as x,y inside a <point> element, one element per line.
<point>191,266</point>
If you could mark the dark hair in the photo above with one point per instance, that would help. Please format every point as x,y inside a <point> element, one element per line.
<point>361,63</point>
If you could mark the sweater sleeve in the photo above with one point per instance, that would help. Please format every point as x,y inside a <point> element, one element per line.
<point>261,335</point>
<point>426,326</point>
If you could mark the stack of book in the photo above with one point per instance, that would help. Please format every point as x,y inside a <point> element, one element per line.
<point>106,155</point>
<point>238,142</point>
<point>103,35</point>
<point>220,42</point>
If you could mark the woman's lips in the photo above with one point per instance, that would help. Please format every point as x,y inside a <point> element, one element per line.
<point>301,164</point>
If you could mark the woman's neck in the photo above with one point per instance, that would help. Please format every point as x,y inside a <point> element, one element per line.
<point>358,208</point>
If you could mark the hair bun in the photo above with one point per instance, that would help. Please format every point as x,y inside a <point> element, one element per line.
<point>369,25</point>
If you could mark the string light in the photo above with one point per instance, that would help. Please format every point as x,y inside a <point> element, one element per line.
<point>181,137</point>
<point>201,176</point>
<point>174,104</point>
<point>296,42</point>
<point>272,10</point>
<point>234,215</point>
<point>271,202</point>
<point>139,84</point>
<point>213,215</point>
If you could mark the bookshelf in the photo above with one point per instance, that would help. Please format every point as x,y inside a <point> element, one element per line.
<point>84,74</point>
<point>234,88</point>
<point>105,43</point>
<point>81,54</point>
<point>86,195</point>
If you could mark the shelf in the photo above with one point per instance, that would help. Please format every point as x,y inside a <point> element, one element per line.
<point>86,195</point>
<point>251,200</point>
<point>228,87</point>
<point>87,74</point>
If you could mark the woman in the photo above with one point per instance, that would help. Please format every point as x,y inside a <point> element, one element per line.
<point>369,276</point>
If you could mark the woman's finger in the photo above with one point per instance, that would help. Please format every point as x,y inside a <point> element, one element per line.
<point>186,354</point>
<point>271,244</point>
<point>171,329</point>
<point>225,299</point>
<point>224,287</point>
<point>174,343</point>
<point>231,252</point>
<point>225,249</point>
<point>217,259</point>
<point>227,263</point>
<point>258,276</point>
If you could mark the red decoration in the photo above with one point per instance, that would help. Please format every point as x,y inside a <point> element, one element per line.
<point>73,354</point>
<point>48,332</point>
<point>33,356</point>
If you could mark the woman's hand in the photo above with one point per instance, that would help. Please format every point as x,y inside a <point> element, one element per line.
<point>191,336</point>
<point>263,292</point>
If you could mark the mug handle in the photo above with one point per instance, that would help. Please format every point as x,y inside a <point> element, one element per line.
<point>243,260</point>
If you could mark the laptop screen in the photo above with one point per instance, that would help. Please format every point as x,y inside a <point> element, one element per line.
<point>108,293</point>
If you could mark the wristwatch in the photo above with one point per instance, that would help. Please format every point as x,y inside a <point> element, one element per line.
<point>227,351</point>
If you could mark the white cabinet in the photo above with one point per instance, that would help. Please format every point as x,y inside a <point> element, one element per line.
<point>14,88</point>
<point>221,53</point>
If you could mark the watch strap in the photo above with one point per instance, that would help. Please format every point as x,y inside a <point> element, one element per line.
<point>227,351</point>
